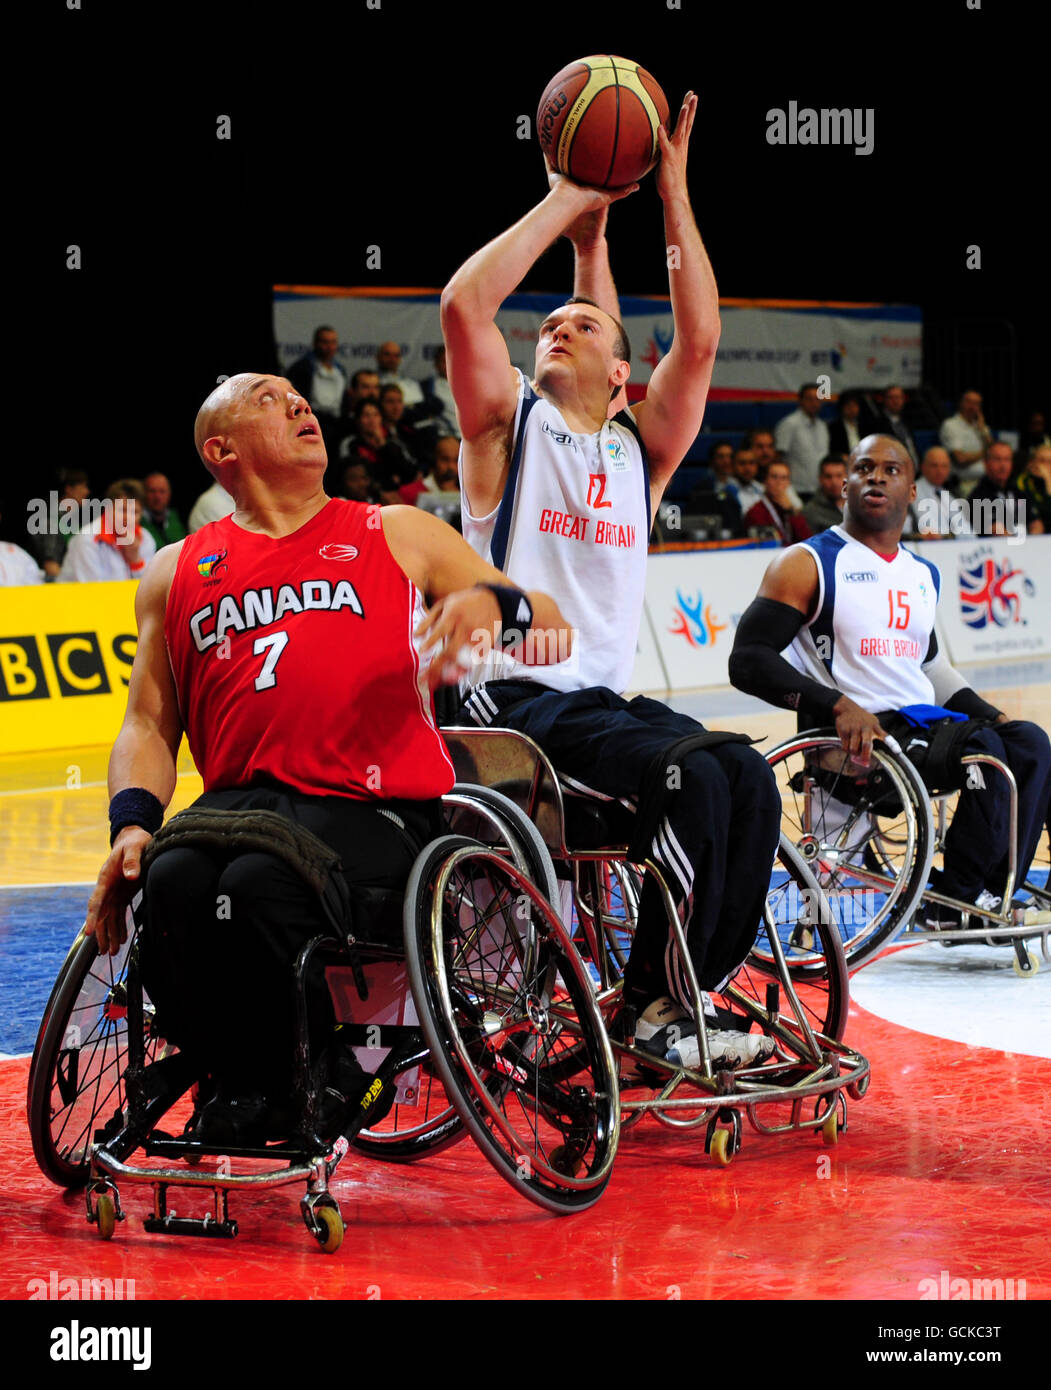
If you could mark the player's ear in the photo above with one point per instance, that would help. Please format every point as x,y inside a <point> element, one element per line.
<point>215,451</point>
<point>619,375</point>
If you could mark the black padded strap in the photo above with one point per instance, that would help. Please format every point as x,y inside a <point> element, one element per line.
<point>936,752</point>
<point>266,832</point>
<point>655,790</point>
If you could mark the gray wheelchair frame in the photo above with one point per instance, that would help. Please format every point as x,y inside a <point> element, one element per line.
<point>810,1070</point>
<point>108,1059</point>
<point>830,849</point>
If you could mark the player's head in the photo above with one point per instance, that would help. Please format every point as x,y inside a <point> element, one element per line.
<point>254,423</point>
<point>880,484</point>
<point>581,347</point>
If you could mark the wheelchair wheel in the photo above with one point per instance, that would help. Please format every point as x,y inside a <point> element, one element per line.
<point>76,1078</point>
<point>412,1132</point>
<point>500,992</point>
<point>799,916</point>
<point>488,817</point>
<point>866,833</point>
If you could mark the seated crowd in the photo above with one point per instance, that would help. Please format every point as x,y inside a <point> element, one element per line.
<point>394,439</point>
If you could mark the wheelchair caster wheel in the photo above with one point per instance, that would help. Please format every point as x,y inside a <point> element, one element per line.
<point>105,1216</point>
<point>830,1130</point>
<point>1029,969</point>
<point>329,1231</point>
<point>567,1160</point>
<point>720,1150</point>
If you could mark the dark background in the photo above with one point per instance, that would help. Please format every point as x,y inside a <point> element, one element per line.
<point>396,127</point>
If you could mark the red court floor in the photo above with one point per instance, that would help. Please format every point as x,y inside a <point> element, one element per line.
<point>944,1168</point>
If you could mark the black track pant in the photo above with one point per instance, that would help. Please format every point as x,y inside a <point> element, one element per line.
<point>717,842</point>
<point>222,933</point>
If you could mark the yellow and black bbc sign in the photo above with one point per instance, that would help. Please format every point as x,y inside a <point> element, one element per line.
<point>65,660</point>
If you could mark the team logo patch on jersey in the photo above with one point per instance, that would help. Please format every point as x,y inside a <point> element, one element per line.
<point>208,566</point>
<point>334,551</point>
<point>618,456</point>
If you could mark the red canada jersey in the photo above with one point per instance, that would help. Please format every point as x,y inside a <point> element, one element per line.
<point>294,660</point>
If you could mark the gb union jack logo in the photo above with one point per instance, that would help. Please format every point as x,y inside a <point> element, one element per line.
<point>991,592</point>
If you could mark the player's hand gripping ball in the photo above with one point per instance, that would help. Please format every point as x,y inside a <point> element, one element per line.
<point>597,121</point>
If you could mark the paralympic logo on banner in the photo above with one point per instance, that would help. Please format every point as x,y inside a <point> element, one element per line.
<point>699,628</point>
<point>991,591</point>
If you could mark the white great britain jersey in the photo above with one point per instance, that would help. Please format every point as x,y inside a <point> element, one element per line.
<point>574,521</point>
<point>872,628</point>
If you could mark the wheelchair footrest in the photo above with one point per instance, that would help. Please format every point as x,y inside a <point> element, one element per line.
<point>191,1226</point>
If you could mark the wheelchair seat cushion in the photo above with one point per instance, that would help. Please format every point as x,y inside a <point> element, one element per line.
<point>241,832</point>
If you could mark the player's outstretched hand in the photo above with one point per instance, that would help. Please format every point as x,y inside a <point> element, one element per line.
<point>117,884</point>
<point>856,729</point>
<point>457,629</point>
<point>671,171</point>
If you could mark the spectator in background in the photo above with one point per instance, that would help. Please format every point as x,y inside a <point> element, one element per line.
<point>775,510</point>
<point>893,423</point>
<point>930,515</point>
<point>719,468</point>
<point>825,508</point>
<point>441,487</point>
<point>50,548</point>
<point>1008,518</point>
<point>400,432</point>
<point>115,546</point>
<point>388,358</point>
<point>17,567</point>
<point>357,482</point>
<point>364,386</point>
<point>212,505</point>
<point>159,517</point>
<point>1035,486</point>
<point>439,409</point>
<point>803,439</point>
<point>966,436</point>
<point>369,435</point>
<point>844,435</point>
<point>716,493</point>
<point>320,378</point>
<point>749,488</point>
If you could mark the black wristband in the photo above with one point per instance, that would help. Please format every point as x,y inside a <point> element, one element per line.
<point>516,612</point>
<point>134,806</point>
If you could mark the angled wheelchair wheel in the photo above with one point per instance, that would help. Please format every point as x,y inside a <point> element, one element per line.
<point>866,833</point>
<point>76,1078</point>
<point>487,816</point>
<point>501,992</point>
<point>418,1130</point>
<point>799,950</point>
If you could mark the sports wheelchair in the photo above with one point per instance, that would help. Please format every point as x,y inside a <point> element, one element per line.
<point>803,1009</point>
<point>457,1019</point>
<point>874,835</point>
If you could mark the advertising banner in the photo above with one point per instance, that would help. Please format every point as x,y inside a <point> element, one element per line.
<point>767,349</point>
<point>995,600</point>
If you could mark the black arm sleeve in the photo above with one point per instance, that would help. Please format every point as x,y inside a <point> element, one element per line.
<point>758,668</point>
<point>969,702</point>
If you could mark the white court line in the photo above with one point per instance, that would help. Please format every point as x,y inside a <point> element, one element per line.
<point>63,883</point>
<point>82,786</point>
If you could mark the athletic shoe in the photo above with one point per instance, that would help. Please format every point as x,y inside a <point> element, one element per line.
<point>726,1048</point>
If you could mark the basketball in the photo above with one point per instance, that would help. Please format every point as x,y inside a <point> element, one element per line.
<point>597,121</point>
